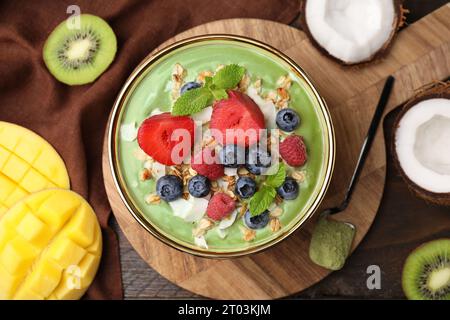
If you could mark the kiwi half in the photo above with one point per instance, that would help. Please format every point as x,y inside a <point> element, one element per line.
<point>78,56</point>
<point>426,274</point>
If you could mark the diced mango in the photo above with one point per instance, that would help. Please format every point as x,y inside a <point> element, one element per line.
<point>25,293</point>
<point>49,164</point>
<point>66,252</point>
<point>7,186</point>
<point>81,227</point>
<point>15,196</point>
<point>9,135</point>
<point>9,284</point>
<point>29,149</point>
<point>17,256</point>
<point>4,155</point>
<point>44,243</point>
<point>15,168</point>
<point>58,208</point>
<point>33,181</point>
<point>34,230</point>
<point>44,278</point>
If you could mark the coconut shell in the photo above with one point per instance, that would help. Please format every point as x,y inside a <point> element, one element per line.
<point>433,91</point>
<point>380,54</point>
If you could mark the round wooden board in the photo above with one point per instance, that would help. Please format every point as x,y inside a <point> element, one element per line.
<point>286,268</point>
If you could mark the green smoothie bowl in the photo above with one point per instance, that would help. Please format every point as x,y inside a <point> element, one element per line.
<point>216,189</point>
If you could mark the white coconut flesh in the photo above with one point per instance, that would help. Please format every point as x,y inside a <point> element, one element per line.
<point>351,30</point>
<point>422,144</point>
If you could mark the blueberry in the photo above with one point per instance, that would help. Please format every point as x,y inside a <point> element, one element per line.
<point>256,222</point>
<point>289,189</point>
<point>257,160</point>
<point>169,187</point>
<point>232,156</point>
<point>245,187</point>
<point>199,186</point>
<point>189,86</point>
<point>287,120</point>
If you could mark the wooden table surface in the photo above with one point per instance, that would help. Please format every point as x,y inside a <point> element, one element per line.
<point>402,224</point>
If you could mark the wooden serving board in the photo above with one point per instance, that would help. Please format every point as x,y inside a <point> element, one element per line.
<point>420,54</point>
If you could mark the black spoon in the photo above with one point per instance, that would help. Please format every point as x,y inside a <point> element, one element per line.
<point>365,147</point>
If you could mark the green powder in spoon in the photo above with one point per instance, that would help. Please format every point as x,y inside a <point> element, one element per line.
<point>331,243</point>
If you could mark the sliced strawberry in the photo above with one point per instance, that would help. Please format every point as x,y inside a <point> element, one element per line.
<point>155,137</point>
<point>239,111</point>
<point>207,164</point>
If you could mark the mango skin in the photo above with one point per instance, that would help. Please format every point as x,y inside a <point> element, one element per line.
<point>28,164</point>
<point>50,247</point>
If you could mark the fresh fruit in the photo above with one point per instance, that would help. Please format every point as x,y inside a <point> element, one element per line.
<point>189,86</point>
<point>289,189</point>
<point>199,186</point>
<point>238,119</point>
<point>169,187</point>
<point>293,150</point>
<point>420,144</point>
<point>257,160</point>
<point>48,241</point>
<point>155,137</point>
<point>256,222</point>
<point>245,187</point>
<point>28,164</point>
<point>232,155</point>
<point>287,119</point>
<point>426,273</point>
<point>79,55</point>
<point>207,164</point>
<point>220,206</point>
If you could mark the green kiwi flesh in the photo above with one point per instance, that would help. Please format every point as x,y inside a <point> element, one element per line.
<point>426,274</point>
<point>78,56</point>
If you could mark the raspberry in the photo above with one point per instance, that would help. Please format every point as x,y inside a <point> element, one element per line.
<point>204,166</point>
<point>293,150</point>
<point>220,206</point>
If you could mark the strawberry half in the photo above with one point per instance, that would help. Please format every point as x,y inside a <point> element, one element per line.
<point>239,111</point>
<point>155,133</point>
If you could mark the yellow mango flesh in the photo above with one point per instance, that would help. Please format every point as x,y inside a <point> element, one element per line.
<point>50,247</point>
<point>28,164</point>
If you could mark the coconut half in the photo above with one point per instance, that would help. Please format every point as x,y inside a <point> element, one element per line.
<point>352,31</point>
<point>421,144</point>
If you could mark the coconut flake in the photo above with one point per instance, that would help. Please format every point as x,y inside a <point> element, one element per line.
<point>267,107</point>
<point>231,172</point>
<point>158,170</point>
<point>203,116</point>
<point>128,132</point>
<point>228,221</point>
<point>190,210</point>
<point>351,30</point>
<point>221,233</point>
<point>422,144</point>
<point>200,241</point>
<point>156,112</point>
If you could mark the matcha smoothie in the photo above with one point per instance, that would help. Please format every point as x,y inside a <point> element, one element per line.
<point>271,83</point>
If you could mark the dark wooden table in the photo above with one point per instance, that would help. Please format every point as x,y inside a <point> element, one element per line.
<point>403,222</point>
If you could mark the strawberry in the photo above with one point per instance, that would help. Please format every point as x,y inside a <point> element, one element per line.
<point>293,150</point>
<point>239,111</point>
<point>220,206</point>
<point>207,164</point>
<point>155,133</point>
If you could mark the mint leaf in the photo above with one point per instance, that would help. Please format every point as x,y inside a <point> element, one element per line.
<point>208,82</point>
<point>261,200</point>
<point>278,178</point>
<point>192,101</point>
<point>219,94</point>
<point>228,77</point>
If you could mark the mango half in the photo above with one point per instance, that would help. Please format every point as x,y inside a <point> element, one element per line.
<point>28,164</point>
<point>50,247</point>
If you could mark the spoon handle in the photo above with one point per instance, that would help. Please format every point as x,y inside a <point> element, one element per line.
<point>369,139</point>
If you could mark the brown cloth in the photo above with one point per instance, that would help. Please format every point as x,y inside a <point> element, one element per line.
<point>73,119</point>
